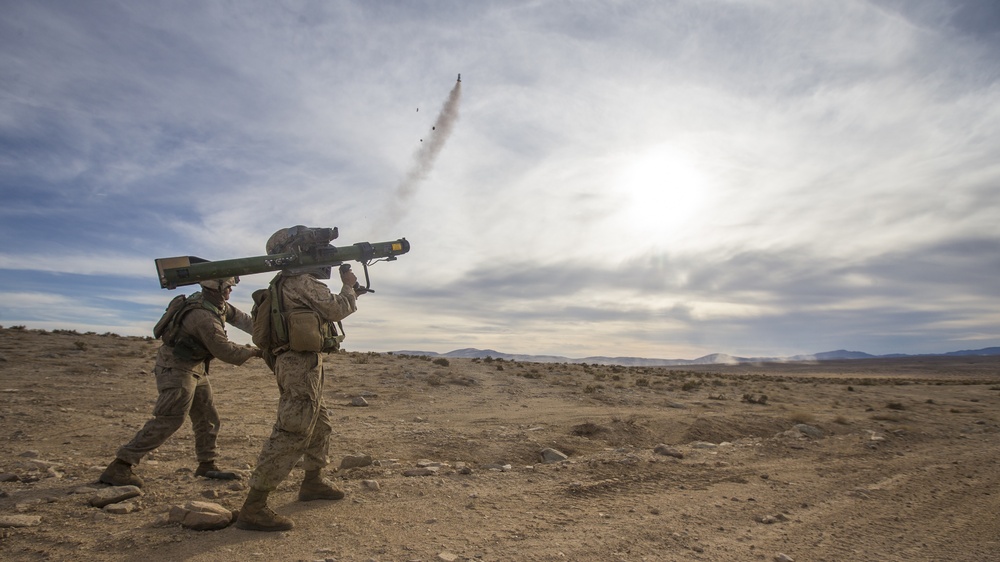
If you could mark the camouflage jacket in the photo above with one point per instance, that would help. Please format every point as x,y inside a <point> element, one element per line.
<point>208,329</point>
<point>305,291</point>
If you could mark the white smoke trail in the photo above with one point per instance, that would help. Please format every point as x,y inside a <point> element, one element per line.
<point>426,155</point>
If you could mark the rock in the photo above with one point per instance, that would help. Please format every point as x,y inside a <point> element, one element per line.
<point>668,451</point>
<point>29,454</point>
<point>805,429</point>
<point>447,557</point>
<point>550,455</point>
<point>355,461</point>
<point>372,485</point>
<point>114,494</point>
<point>20,521</point>
<point>8,477</point>
<point>201,516</point>
<point>781,557</point>
<point>704,445</point>
<point>425,471</point>
<point>121,508</point>
<point>359,401</point>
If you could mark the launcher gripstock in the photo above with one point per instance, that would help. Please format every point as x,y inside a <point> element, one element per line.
<point>188,270</point>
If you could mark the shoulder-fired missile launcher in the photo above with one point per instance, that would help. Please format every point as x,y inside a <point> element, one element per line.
<point>312,248</point>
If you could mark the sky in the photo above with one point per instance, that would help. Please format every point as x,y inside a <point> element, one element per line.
<point>659,179</point>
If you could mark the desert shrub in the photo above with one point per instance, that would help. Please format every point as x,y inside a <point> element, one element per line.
<point>82,346</point>
<point>690,385</point>
<point>642,381</point>
<point>751,399</point>
<point>441,361</point>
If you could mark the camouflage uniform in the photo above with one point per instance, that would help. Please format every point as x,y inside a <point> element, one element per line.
<point>184,388</point>
<point>302,429</point>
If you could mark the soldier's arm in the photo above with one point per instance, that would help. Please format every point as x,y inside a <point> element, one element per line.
<point>213,336</point>
<point>333,307</point>
<point>239,319</point>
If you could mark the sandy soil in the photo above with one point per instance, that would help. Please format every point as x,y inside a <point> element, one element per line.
<point>905,467</point>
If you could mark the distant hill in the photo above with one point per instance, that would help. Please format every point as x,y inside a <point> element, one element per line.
<point>712,359</point>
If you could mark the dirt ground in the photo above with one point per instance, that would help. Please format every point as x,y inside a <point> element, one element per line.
<point>892,459</point>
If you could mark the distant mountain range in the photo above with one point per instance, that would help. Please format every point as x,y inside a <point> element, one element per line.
<point>713,359</point>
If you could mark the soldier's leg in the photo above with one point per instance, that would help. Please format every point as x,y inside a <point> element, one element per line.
<point>316,454</point>
<point>176,392</point>
<point>314,459</point>
<point>298,376</point>
<point>205,422</point>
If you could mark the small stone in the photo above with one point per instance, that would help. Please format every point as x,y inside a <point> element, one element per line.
<point>114,494</point>
<point>8,477</point>
<point>447,557</point>
<point>20,521</point>
<point>550,455</point>
<point>31,454</point>
<point>121,508</point>
<point>355,461</point>
<point>201,516</point>
<point>359,401</point>
<point>426,471</point>
<point>668,451</point>
<point>781,557</point>
<point>809,430</point>
<point>372,485</point>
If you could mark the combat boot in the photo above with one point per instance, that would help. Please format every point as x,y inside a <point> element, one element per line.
<point>256,516</point>
<point>209,470</point>
<point>315,487</point>
<point>119,473</point>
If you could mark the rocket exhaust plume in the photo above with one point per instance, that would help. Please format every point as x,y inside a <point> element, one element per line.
<point>424,158</point>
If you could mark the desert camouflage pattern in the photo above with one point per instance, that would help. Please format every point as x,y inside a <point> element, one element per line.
<point>303,426</point>
<point>302,429</point>
<point>184,388</point>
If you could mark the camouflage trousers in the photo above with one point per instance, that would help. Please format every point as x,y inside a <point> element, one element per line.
<point>303,426</point>
<point>181,394</point>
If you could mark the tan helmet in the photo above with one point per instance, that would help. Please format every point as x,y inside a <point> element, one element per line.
<point>297,237</point>
<point>219,284</point>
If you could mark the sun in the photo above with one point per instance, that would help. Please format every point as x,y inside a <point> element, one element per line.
<point>660,192</point>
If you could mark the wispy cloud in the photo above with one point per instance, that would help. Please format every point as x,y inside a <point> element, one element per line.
<point>667,179</point>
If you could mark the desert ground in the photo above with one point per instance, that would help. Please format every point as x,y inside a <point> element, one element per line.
<point>850,460</point>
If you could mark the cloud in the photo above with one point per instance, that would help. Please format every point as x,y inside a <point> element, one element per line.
<point>809,173</point>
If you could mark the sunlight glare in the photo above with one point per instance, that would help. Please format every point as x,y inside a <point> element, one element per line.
<point>661,192</point>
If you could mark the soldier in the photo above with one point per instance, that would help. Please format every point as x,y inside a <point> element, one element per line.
<point>302,429</point>
<point>193,333</point>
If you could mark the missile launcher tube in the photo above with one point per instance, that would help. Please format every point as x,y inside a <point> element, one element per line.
<point>188,270</point>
